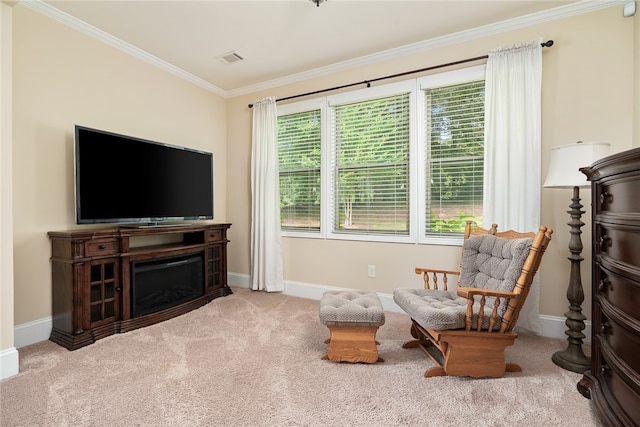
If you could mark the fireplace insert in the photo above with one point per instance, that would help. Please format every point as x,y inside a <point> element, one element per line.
<point>159,284</point>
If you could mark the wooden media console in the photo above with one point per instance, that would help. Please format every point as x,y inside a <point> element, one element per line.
<point>94,276</point>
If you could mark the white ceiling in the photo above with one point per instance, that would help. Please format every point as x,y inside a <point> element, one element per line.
<point>281,39</point>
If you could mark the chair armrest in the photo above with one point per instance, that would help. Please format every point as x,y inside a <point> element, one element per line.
<point>420,270</point>
<point>435,275</point>
<point>471,292</point>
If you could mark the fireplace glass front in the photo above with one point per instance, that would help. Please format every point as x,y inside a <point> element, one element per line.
<point>164,283</point>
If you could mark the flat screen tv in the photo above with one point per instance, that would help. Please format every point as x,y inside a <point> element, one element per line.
<point>122,179</point>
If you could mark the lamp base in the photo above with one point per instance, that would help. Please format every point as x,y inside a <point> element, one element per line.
<point>572,359</point>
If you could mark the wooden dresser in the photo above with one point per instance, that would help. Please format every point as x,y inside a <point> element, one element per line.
<point>613,383</point>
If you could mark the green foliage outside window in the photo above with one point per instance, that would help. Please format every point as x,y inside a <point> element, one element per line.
<point>370,163</point>
<point>299,157</point>
<point>454,225</point>
<point>455,155</point>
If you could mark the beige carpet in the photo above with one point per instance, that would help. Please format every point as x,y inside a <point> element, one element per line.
<point>253,359</point>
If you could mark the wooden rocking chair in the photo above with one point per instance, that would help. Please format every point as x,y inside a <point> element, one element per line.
<point>466,332</point>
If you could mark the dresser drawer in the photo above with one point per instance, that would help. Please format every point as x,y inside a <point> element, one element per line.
<point>98,247</point>
<point>618,195</point>
<point>618,289</point>
<point>620,336</point>
<point>621,384</point>
<point>618,242</point>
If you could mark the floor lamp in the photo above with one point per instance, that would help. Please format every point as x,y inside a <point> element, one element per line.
<point>565,162</point>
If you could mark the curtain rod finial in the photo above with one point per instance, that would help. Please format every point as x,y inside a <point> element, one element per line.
<point>548,43</point>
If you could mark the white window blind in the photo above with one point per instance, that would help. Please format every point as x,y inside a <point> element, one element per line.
<point>370,166</point>
<point>454,156</point>
<point>299,156</point>
<point>401,162</point>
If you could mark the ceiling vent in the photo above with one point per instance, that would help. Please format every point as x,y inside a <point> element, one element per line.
<point>229,58</point>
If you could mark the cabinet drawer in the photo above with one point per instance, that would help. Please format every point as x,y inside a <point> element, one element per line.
<point>623,340</point>
<point>617,383</point>
<point>99,247</point>
<point>618,242</point>
<point>618,195</point>
<point>618,290</point>
<point>214,235</point>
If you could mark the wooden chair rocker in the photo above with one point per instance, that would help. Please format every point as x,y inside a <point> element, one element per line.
<point>465,332</point>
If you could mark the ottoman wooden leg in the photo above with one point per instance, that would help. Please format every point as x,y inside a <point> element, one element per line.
<point>353,344</point>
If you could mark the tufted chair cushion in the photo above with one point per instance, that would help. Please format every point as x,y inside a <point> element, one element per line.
<point>488,262</point>
<point>432,308</point>
<point>491,262</point>
<point>352,308</point>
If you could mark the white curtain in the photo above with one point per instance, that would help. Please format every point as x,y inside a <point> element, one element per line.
<point>266,242</point>
<point>512,182</point>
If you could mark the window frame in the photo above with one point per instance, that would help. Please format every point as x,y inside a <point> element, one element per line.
<point>417,153</point>
<point>299,107</point>
<point>441,79</point>
<point>363,95</point>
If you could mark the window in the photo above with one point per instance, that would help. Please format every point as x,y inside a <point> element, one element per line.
<point>299,157</point>
<point>454,155</point>
<point>401,162</point>
<point>371,166</point>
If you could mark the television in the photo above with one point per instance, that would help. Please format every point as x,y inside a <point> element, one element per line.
<point>123,179</point>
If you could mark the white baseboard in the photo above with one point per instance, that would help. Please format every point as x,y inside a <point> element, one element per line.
<point>550,326</point>
<point>8,363</point>
<point>40,330</point>
<point>555,327</point>
<point>32,332</point>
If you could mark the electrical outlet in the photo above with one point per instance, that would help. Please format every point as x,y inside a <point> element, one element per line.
<point>371,271</point>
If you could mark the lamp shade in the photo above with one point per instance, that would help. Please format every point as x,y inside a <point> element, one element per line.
<point>566,160</point>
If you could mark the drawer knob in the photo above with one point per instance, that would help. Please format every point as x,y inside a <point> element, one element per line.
<point>605,196</point>
<point>604,369</point>
<point>103,246</point>
<point>605,327</point>
<point>602,286</point>
<point>605,241</point>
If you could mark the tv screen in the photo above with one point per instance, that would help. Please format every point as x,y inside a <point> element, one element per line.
<point>122,179</point>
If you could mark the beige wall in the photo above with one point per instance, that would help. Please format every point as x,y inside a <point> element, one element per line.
<point>6,216</point>
<point>587,95</point>
<point>61,78</point>
<point>636,73</point>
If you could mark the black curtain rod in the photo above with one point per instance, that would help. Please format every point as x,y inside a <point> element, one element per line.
<point>548,43</point>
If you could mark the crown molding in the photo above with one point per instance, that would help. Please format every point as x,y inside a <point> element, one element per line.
<point>573,9</point>
<point>45,9</point>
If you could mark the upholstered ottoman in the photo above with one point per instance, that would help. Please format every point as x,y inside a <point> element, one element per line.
<point>353,319</point>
